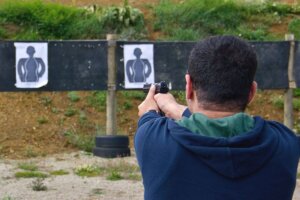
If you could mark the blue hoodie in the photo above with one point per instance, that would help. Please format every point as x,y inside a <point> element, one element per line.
<point>177,164</point>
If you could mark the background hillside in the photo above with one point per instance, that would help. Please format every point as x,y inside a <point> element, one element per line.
<point>41,123</point>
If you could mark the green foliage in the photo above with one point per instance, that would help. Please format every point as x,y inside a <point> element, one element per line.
<point>30,152</point>
<point>296,104</point>
<point>97,100</point>
<point>194,19</point>
<point>70,112</point>
<point>42,120</point>
<point>294,27</point>
<point>277,101</point>
<point>73,96</point>
<point>138,95</point>
<point>45,100</point>
<point>296,92</point>
<point>127,105</point>
<point>38,185</point>
<point>40,20</point>
<point>297,129</point>
<point>59,172</point>
<point>97,191</point>
<point>88,171</point>
<point>179,96</point>
<point>7,197</point>
<point>84,142</point>
<point>2,33</point>
<point>114,176</point>
<point>30,174</point>
<point>277,8</point>
<point>29,166</point>
<point>117,19</point>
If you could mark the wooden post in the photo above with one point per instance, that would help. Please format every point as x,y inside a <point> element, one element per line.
<point>111,102</point>
<point>288,95</point>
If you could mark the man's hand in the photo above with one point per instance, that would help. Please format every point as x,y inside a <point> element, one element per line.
<point>149,102</point>
<point>168,105</point>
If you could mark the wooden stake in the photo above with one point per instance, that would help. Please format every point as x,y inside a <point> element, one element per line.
<point>288,95</point>
<point>111,98</point>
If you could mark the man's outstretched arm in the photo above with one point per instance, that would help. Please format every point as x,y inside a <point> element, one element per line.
<point>168,105</point>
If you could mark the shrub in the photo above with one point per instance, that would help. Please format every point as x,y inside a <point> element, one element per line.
<point>38,185</point>
<point>116,19</point>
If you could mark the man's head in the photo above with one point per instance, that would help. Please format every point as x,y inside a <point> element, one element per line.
<point>221,71</point>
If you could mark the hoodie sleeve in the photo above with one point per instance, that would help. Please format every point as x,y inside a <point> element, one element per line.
<point>141,134</point>
<point>148,116</point>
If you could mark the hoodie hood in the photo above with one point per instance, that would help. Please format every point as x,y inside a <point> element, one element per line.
<point>235,156</point>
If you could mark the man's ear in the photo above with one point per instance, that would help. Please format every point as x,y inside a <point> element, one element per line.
<point>252,91</point>
<point>188,87</point>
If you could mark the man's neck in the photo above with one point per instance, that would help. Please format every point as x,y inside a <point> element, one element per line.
<point>213,113</point>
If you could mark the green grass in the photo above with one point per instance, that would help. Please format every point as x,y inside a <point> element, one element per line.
<point>88,171</point>
<point>70,112</point>
<point>194,19</point>
<point>45,100</point>
<point>29,166</point>
<point>40,20</point>
<point>73,96</point>
<point>114,176</point>
<point>131,94</point>
<point>7,197</point>
<point>30,174</point>
<point>296,92</point>
<point>97,100</point>
<point>30,152</point>
<point>85,142</point>
<point>42,120</point>
<point>296,104</point>
<point>59,172</point>
<point>277,101</point>
<point>127,105</point>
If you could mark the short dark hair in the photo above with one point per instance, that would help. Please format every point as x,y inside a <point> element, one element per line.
<point>222,69</point>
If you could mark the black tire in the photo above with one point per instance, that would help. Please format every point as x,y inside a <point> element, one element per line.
<point>111,152</point>
<point>112,141</point>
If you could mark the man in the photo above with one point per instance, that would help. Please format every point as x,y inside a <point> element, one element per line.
<point>211,149</point>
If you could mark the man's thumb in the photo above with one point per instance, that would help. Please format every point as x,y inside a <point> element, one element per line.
<point>151,92</point>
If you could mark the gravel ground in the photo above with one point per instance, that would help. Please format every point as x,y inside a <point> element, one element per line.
<point>71,186</point>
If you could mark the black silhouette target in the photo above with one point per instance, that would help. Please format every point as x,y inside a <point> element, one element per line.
<point>31,65</point>
<point>138,65</point>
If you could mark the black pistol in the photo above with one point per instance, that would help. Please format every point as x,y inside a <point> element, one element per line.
<point>161,87</point>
